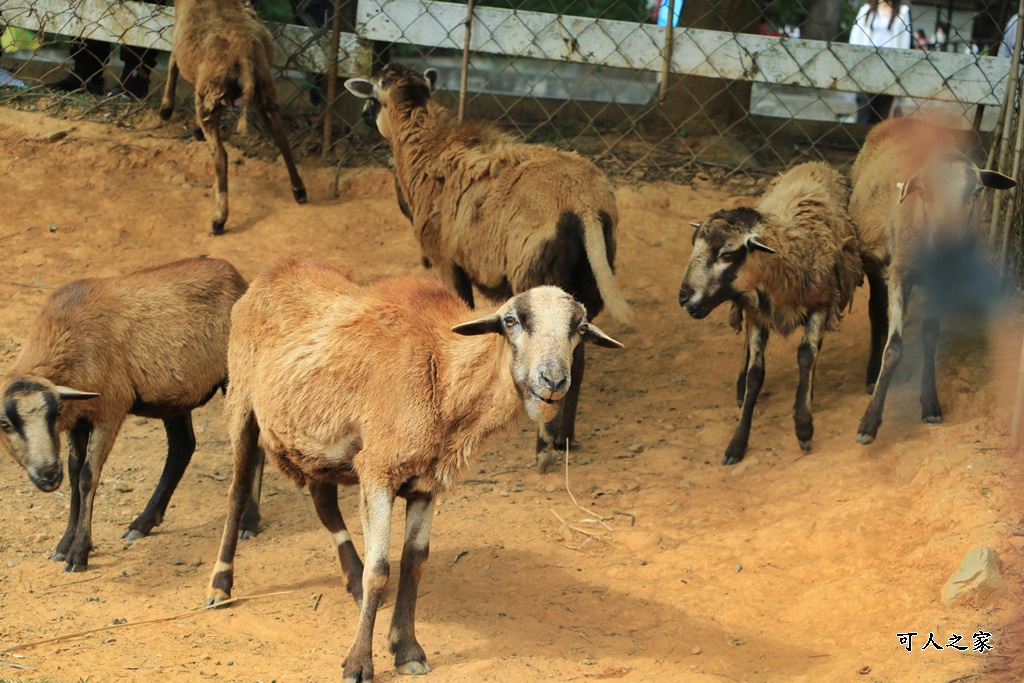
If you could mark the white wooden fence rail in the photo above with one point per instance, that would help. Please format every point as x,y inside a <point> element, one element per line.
<point>913,73</point>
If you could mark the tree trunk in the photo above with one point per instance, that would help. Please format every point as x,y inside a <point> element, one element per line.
<point>700,104</point>
<point>822,22</point>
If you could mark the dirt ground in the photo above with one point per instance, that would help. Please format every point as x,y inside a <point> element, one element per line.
<point>788,567</point>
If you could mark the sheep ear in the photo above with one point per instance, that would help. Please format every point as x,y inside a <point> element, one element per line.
<point>997,181</point>
<point>594,335</point>
<point>913,184</point>
<point>754,243</point>
<point>69,394</point>
<point>360,87</point>
<point>491,324</point>
<point>431,76</point>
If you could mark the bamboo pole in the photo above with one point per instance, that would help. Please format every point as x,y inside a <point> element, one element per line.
<point>1008,108</point>
<point>1011,199</point>
<point>464,77</point>
<point>332,80</point>
<point>667,56</point>
<point>1018,408</point>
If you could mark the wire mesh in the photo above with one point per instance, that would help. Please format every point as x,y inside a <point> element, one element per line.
<point>648,88</point>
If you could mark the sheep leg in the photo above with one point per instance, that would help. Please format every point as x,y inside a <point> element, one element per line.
<point>181,444</point>
<point>209,123</point>
<point>757,338</point>
<point>899,293</point>
<point>553,436</point>
<point>409,656</point>
<point>807,356</point>
<point>325,499</point>
<point>167,104</point>
<point>245,442</point>
<point>273,121</point>
<point>462,285</point>
<point>930,410</point>
<point>741,380</point>
<point>878,314</point>
<point>78,441</point>
<point>100,442</point>
<point>375,510</point>
<point>251,516</point>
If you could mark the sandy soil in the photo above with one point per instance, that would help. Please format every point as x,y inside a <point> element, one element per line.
<point>789,567</point>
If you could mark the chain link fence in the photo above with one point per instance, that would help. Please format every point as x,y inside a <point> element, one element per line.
<point>677,89</point>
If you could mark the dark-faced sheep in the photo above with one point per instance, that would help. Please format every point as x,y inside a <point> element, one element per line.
<point>791,260</point>
<point>492,211</point>
<point>390,387</point>
<point>226,53</point>
<point>913,200</point>
<point>150,343</point>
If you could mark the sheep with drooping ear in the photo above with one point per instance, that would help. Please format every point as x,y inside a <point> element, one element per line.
<point>494,212</point>
<point>790,261</point>
<point>150,343</point>
<point>915,191</point>
<point>392,386</point>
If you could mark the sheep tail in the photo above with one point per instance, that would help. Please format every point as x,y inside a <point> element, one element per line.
<point>248,87</point>
<point>597,254</point>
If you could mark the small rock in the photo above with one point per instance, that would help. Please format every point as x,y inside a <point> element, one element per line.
<point>177,561</point>
<point>36,538</point>
<point>976,581</point>
<point>635,447</point>
<point>745,465</point>
<point>197,561</point>
<point>550,488</point>
<point>696,650</point>
<point>739,568</point>
<point>122,488</point>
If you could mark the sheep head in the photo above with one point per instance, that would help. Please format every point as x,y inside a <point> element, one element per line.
<point>722,246</point>
<point>28,426</point>
<point>395,90</point>
<point>948,189</point>
<point>542,326</point>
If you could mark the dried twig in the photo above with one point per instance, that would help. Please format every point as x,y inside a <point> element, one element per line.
<point>632,517</point>
<point>17,666</point>
<point>584,637</point>
<point>480,480</point>
<point>70,583</point>
<point>600,519</point>
<point>79,634</point>
<point>316,602</point>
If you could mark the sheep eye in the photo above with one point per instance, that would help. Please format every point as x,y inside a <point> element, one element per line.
<point>727,256</point>
<point>582,329</point>
<point>510,321</point>
<point>5,425</point>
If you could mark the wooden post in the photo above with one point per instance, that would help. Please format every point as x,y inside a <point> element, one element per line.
<point>332,81</point>
<point>1018,409</point>
<point>464,78</point>
<point>1004,145</point>
<point>666,63</point>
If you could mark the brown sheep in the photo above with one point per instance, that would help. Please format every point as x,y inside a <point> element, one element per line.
<point>492,211</point>
<point>150,343</point>
<point>914,191</point>
<point>791,260</point>
<point>226,53</point>
<point>378,385</point>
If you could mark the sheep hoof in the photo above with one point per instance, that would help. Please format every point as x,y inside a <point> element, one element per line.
<point>198,134</point>
<point>413,668</point>
<point>805,445</point>
<point>133,535</point>
<point>216,600</point>
<point>871,388</point>
<point>732,459</point>
<point>59,556</point>
<point>300,195</point>
<point>74,567</point>
<point>865,439</point>
<point>246,534</point>
<point>933,419</point>
<point>547,461</point>
<point>218,228</point>
<point>165,113</point>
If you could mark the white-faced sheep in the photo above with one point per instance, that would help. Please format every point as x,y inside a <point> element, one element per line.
<point>389,387</point>
<point>492,211</point>
<point>914,193</point>
<point>150,343</point>
<point>791,260</point>
<point>226,53</point>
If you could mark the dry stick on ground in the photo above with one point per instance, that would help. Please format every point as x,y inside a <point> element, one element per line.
<point>599,518</point>
<point>79,634</point>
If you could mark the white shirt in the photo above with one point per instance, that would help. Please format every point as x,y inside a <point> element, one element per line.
<point>878,34</point>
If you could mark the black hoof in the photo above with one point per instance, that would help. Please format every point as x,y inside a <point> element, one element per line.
<point>218,228</point>
<point>165,114</point>
<point>932,419</point>
<point>59,556</point>
<point>805,445</point>
<point>73,568</point>
<point>198,134</point>
<point>865,439</point>
<point>246,534</point>
<point>133,535</point>
<point>871,388</point>
<point>732,458</point>
<point>300,195</point>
